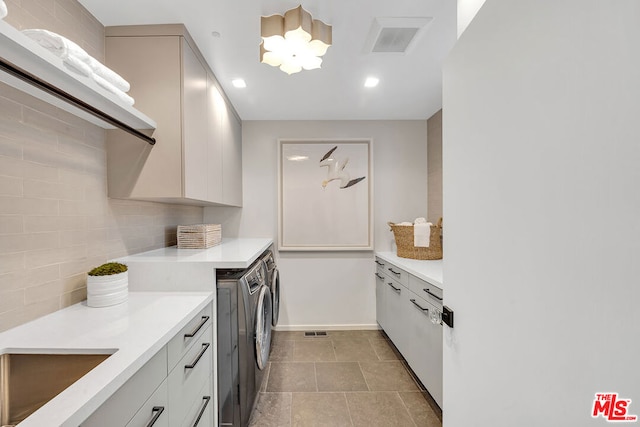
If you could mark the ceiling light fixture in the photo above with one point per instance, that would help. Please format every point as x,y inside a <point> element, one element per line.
<point>371,82</point>
<point>294,41</point>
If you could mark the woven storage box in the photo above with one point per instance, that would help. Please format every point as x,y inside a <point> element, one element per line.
<point>199,236</point>
<point>403,235</point>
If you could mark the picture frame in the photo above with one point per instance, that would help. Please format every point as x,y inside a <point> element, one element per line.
<point>325,194</point>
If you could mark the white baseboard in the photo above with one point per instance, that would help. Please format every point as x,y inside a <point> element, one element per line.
<point>361,327</point>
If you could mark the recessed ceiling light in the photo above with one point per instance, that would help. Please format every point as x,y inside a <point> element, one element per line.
<point>239,83</point>
<point>371,82</point>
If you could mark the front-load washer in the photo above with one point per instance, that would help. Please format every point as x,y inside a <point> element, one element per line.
<point>273,281</point>
<point>244,338</point>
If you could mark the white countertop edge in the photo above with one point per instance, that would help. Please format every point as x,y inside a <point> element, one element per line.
<point>76,403</point>
<point>427,270</point>
<point>231,253</point>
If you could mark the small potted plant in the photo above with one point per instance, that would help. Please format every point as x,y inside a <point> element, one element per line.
<point>107,285</point>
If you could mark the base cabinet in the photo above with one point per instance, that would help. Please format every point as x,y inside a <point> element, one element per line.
<point>183,397</point>
<point>425,352</point>
<point>397,314</point>
<point>187,379</point>
<point>405,316</point>
<point>381,300</point>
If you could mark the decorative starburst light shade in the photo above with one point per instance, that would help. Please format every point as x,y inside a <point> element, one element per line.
<point>294,41</point>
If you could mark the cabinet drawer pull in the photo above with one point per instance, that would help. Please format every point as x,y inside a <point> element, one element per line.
<point>379,276</point>
<point>380,263</point>
<point>432,294</point>
<point>394,272</point>
<point>156,411</point>
<point>193,364</point>
<point>394,288</point>
<point>195,331</point>
<point>419,306</point>
<point>206,400</point>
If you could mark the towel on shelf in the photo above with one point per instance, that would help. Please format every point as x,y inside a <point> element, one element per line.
<point>108,74</point>
<point>71,53</point>
<point>78,65</point>
<point>3,9</point>
<point>79,60</point>
<point>421,233</point>
<point>112,89</point>
<point>60,46</point>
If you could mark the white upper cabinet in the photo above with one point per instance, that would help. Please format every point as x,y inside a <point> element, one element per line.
<point>216,106</point>
<point>232,158</point>
<point>197,158</point>
<point>194,126</point>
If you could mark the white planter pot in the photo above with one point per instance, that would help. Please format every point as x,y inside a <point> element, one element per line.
<point>103,291</point>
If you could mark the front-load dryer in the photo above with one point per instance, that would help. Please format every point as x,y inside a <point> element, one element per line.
<point>244,339</point>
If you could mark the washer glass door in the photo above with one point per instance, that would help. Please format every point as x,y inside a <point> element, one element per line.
<point>263,327</point>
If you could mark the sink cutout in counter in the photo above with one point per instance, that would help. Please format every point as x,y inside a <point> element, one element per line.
<point>28,381</point>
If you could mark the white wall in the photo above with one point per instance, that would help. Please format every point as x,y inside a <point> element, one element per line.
<point>467,9</point>
<point>541,174</point>
<point>329,289</point>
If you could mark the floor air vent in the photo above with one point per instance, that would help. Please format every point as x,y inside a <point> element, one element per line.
<point>312,334</point>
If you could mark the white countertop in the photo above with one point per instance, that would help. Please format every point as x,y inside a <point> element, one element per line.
<point>231,253</point>
<point>430,271</point>
<point>133,331</point>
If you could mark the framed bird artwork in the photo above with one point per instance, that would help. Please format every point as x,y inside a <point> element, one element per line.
<point>325,194</point>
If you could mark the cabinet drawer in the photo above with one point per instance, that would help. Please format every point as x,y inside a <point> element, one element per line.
<point>398,274</point>
<point>188,335</point>
<point>120,408</point>
<point>201,412</point>
<point>394,285</point>
<point>154,410</point>
<point>426,290</point>
<point>381,265</point>
<point>189,376</point>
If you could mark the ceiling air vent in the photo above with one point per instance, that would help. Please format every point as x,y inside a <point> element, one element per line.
<point>395,35</point>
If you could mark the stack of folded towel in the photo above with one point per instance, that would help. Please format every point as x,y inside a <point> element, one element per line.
<point>3,9</point>
<point>80,61</point>
<point>421,233</point>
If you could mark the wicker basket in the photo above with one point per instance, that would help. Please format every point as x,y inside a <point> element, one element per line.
<point>404,242</point>
<point>199,236</point>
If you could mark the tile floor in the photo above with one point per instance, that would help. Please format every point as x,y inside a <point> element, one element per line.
<point>347,378</point>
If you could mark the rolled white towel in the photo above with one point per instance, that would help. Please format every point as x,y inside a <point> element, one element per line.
<point>109,75</point>
<point>59,45</point>
<point>71,53</point>
<point>3,9</point>
<point>78,65</point>
<point>112,89</point>
<point>421,233</point>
